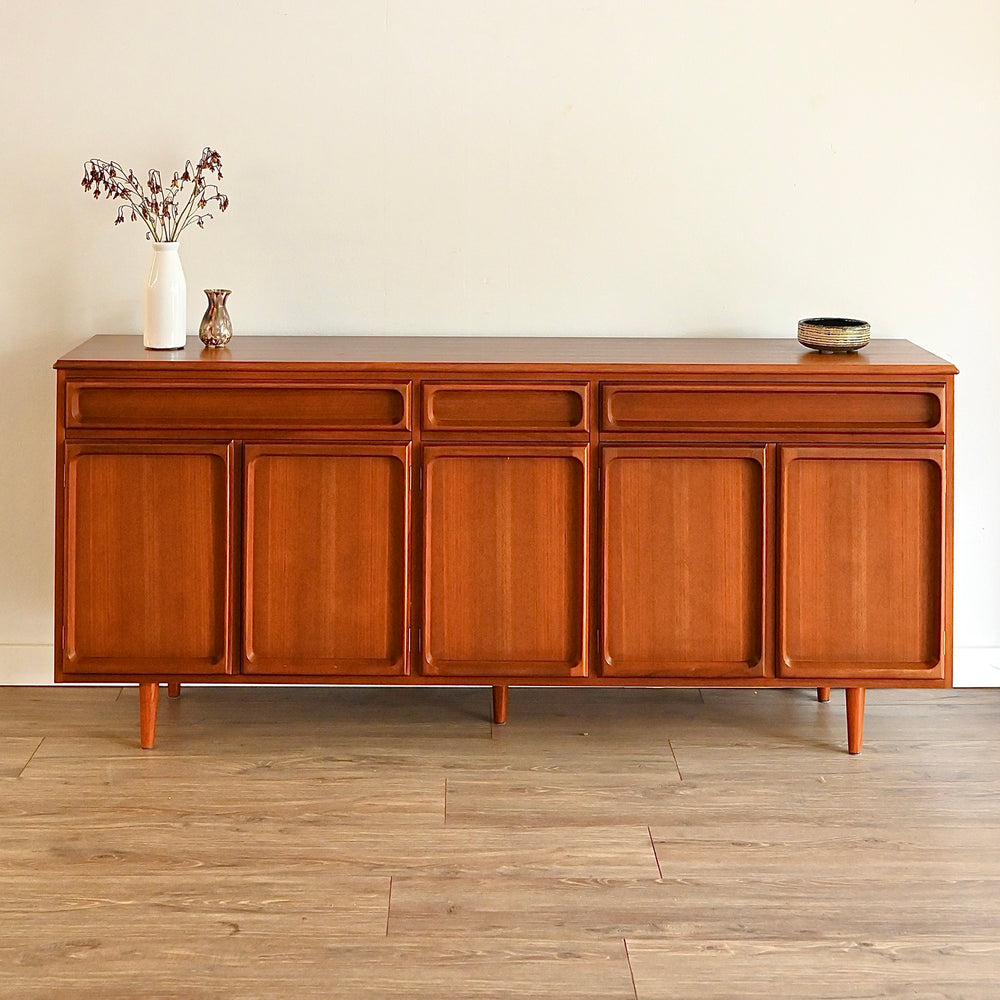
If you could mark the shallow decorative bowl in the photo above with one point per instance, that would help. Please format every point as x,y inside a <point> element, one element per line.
<point>833,335</point>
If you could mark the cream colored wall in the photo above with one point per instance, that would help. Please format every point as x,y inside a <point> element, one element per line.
<point>671,167</point>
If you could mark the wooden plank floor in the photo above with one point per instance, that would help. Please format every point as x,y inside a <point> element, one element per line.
<point>378,843</point>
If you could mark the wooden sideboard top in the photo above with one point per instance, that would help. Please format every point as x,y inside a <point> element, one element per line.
<point>689,355</point>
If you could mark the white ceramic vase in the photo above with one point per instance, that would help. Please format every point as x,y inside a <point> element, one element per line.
<point>165,301</point>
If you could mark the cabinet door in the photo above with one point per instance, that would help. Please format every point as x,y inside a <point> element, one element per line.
<point>685,562</point>
<point>505,561</point>
<point>862,539</point>
<point>148,558</point>
<point>325,559</point>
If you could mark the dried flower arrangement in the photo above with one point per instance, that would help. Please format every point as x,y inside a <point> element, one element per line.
<point>163,209</point>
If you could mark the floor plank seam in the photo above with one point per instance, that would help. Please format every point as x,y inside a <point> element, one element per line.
<point>388,908</point>
<point>670,743</point>
<point>32,757</point>
<point>445,801</point>
<point>652,844</point>
<point>628,960</point>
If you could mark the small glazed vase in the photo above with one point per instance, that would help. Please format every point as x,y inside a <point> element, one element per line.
<point>216,329</point>
<point>164,312</point>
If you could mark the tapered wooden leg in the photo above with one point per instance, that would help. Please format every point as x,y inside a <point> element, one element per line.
<point>149,699</point>
<point>855,719</point>
<point>174,689</point>
<point>499,704</point>
<point>822,694</point>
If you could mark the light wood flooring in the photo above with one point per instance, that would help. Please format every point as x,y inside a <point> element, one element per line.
<point>287,843</point>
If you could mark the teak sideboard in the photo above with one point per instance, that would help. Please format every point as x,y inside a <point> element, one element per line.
<point>428,510</point>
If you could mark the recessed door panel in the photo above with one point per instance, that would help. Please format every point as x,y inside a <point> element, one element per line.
<point>148,553</point>
<point>862,562</point>
<point>685,562</point>
<point>505,561</point>
<point>325,553</point>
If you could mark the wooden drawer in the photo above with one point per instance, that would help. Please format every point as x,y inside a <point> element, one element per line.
<point>712,407</point>
<point>130,403</point>
<point>501,406</point>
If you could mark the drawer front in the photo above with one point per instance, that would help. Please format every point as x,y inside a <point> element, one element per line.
<point>110,405</point>
<point>710,407</point>
<point>504,406</point>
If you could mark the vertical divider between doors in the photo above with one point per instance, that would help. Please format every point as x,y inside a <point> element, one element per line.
<point>413,593</point>
<point>237,561</point>
<point>595,597</point>
<point>772,567</point>
<point>780,555</point>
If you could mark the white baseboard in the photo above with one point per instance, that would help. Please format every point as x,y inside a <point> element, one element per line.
<point>975,666</point>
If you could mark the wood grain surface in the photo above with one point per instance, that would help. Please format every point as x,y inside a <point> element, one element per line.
<point>505,561</point>
<point>685,562</point>
<point>325,559</point>
<point>863,550</point>
<point>455,353</point>
<point>150,546</point>
<point>618,843</point>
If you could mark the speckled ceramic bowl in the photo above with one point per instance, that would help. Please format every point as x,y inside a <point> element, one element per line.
<point>833,335</point>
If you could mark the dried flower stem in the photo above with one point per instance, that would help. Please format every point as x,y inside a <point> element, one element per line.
<point>162,210</point>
